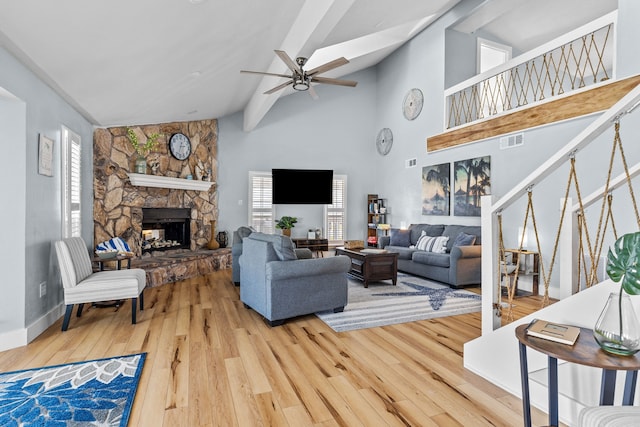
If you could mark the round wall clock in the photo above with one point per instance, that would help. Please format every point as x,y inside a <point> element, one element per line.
<point>180,146</point>
<point>384,141</point>
<point>412,104</point>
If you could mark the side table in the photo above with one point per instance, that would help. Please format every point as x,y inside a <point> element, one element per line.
<point>585,351</point>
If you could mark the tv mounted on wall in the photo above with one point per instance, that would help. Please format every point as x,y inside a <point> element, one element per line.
<point>302,187</point>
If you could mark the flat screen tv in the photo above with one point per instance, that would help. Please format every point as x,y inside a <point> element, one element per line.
<point>302,186</point>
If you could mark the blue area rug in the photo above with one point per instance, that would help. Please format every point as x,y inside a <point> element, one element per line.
<point>413,298</point>
<point>94,393</point>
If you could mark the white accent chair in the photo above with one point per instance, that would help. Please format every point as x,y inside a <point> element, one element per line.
<point>82,285</point>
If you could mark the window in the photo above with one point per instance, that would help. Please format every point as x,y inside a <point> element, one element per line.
<point>260,208</point>
<point>335,215</point>
<point>70,156</point>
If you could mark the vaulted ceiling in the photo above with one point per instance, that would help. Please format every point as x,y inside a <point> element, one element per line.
<point>123,62</point>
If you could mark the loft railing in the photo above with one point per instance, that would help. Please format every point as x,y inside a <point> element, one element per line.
<point>491,210</point>
<point>579,59</point>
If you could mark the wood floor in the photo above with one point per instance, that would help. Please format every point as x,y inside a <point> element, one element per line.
<point>211,361</point>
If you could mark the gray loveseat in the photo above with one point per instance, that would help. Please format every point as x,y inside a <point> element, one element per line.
<point>458,266</point>
<point>278,285</point>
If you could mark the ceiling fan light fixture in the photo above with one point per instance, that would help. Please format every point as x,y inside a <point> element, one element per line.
<point>300,84</point>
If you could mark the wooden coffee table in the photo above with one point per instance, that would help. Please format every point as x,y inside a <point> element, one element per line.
<point>368,266</point>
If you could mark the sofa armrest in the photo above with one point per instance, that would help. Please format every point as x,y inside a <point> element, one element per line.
<point>276,270</point>
<point>473,251</point>
<point>383,241</point>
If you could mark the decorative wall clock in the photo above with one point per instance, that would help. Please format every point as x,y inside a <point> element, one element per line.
<point>384,141</point>
<point>180,146</point>
<point>412,104</point>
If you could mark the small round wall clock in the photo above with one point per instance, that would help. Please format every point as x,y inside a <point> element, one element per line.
<point>180,146</point>
<point>384,141</point>
<point>412,104</point>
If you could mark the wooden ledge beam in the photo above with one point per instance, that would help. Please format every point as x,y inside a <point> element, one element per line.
<point>590,101</point>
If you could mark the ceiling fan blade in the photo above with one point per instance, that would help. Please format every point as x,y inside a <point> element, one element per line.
<point>328,66</point>
<point>313,93</point>
<point>266,74</point>
<point>277,88</point>
<point>287,60</point>
<point>330,81</point>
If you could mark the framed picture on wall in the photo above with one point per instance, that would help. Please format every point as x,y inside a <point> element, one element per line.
<point>45,156</point>
<point>436,191</point>
<point>472,180</point>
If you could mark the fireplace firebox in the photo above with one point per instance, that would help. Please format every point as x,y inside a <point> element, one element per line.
<point>166,228</point>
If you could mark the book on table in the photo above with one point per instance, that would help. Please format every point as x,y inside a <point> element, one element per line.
<point>552,331</point>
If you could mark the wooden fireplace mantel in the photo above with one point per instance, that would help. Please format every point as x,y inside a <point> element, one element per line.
<point>143,180</point>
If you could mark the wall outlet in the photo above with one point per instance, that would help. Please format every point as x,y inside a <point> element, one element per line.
<point>43,289</point>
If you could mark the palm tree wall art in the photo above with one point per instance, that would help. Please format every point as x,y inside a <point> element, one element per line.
<point>436,190</point>
<point>472,179</point>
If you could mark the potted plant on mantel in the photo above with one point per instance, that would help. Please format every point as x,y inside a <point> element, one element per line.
<point>617,330</point>
<point>142,149</point>
<point>286,223</point>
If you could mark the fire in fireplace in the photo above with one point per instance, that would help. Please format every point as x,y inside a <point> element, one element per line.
<point>166,228</point>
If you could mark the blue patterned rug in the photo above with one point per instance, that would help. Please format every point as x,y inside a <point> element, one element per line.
<point>94,393</point>
<point>413,298</point>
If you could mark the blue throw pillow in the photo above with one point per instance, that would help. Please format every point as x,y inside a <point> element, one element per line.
<point>464,239</point>
<point>400,237</point>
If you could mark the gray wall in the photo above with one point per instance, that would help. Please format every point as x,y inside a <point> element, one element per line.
<point>45,113</point>
<point>337,132</point>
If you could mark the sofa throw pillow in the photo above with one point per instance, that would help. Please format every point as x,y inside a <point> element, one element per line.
<point>400,237</point>
<point>464,239</point>
<point>435,244</point>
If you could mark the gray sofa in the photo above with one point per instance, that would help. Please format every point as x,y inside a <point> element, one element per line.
<point>278,285</point>
<point>458,266</point>
<point>236,251</point>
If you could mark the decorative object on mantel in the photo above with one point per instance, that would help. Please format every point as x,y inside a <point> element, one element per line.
<point>213,243</point>
<point>222,238</point>
<point>617,330</point>
<point>142,150</point>
<point>286,223</point>
<point>142,180</point>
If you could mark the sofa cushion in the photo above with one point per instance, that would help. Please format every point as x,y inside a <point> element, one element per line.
<point>429,229</point>
<point>282,245</point>
<point>431,258</point>
<point>403,253</point>
<point>464,239</point>
<point>400,238</point>
<point>244,231</point>
<point>436,244</point>
<point>453,230</point>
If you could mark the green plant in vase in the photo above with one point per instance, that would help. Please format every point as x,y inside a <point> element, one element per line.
<point>617,330</point>
<point>142,149</point>
<point>286,223</point>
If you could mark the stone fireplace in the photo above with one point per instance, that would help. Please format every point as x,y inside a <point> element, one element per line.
<point>119,206</point>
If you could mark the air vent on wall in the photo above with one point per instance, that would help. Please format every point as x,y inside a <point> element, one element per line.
<point>411,163</point>
<point>511,141</point>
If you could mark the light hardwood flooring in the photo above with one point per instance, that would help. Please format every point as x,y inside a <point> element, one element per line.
<point>211,361</point>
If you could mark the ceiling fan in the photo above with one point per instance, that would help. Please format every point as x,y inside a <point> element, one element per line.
<point>300,79</point>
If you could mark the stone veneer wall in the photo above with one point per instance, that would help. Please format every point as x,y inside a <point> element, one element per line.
<point>117,205</point>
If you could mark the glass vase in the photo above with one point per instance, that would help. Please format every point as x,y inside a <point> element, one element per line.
<point>617,330</point>
<point>141,165</point>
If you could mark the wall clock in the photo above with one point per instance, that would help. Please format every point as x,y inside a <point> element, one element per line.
<point>412,104</point>
<point>180,146</point>
<point>384,141</point>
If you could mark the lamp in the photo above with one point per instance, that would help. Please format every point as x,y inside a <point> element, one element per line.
<point>300,83</point>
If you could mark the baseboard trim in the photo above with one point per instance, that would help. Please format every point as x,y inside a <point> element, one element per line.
<point>23,336</point>
<point>41,324</point>
<point>13,339</point>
